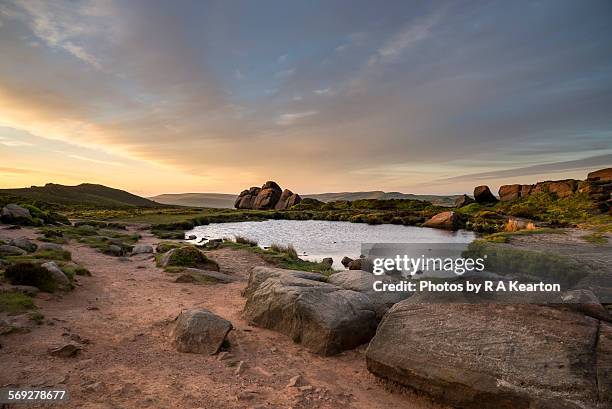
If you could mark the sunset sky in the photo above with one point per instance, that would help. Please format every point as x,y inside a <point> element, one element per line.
<point>320,96</point>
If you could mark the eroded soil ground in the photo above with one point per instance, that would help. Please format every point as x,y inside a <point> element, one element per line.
<point>122,316</point>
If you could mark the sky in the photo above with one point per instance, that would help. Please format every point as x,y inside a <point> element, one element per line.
<point>321,96</point>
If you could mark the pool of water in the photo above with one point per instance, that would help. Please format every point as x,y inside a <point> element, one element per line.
<point>316,239</point>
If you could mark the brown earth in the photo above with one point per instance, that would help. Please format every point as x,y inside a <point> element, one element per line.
<point>122,317</point>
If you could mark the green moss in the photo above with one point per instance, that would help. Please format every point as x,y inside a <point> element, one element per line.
<point>282,259</point>
<point>15,302</point>
<point>502,258</point>
<point>164,246</point>
<point>595,238</point>
<point>189,256</point>
<point>37,317</point>
<point>504,237</point>
<point>31,274</point>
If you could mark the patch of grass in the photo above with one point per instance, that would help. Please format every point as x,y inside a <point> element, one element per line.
<point>595,238</point>
<point>164,246</point>
<point>55,255</point>
<point>15,302</point>
<point>190,256</point>
<point>282,259</point>
<point>244,240</point>
<point>37,317</point>
<point>31,274</point>
<point>288,250</point>
<point>504,237</point>
<point>502,258</point>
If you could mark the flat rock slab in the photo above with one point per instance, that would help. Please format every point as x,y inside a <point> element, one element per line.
<point>492,356</point>
<point>210,275</point>
<point>200,331</point>
<point>324,318</point>
<point>363,282</point>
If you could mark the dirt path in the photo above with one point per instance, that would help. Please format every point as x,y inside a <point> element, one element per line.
<point>126,311</point>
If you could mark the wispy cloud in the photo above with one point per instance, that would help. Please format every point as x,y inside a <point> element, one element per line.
<point>12,142</point>
<point>292,118</point>
<point>324,91</point>
<point>285,73</point>
<point>101,162</point>
<point>546,168</point>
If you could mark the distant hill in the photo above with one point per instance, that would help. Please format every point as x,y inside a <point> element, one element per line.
<point>85,194</point>
<point>218,200</point>
<point>222,200</point>
<point>380,195</point>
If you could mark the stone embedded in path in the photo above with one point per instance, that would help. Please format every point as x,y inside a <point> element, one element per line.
<point>24,243</point>
<point>65,351</point>
<point>7,250</point>
<point>197,274</point>
<point>494,355</point>
<point>200,331</point>
<point>142,249</point>
<point>324,318</point>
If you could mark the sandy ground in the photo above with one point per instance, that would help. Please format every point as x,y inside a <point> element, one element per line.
<point>123,315</point>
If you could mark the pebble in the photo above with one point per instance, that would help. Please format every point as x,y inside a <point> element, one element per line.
<point>240,368</point>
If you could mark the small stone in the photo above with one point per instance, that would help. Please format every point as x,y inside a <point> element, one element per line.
<point>296,382</point>
<point>95,387</point>
<point>65,351</point>
<point>84,363</point>
<point>240,368</point>
<point>223,355</point>
<point>305,388</point>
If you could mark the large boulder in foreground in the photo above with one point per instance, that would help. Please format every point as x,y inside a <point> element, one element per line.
<point>324,318</point>
<point>200,331</point>
<point>445,220</point>
<point>363,282</point>
<point>483,195</point>
<point>268,196</point>
<point>494,355</point>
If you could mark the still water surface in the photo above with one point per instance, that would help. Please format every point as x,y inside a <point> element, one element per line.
<point>316,239</point>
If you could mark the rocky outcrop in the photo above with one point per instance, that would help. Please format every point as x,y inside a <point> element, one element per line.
<point>483,195</point>
<point>246,199</point>
<point>363,282</point>
<point>200,331</point>
<point>602,175</point>
<point>269,196</point>
<point>287,199</point>
<point>445,220</point>
<point>494,355</point>
<point>463,200</point>
<point>509,192</point>
<point>324,318</point>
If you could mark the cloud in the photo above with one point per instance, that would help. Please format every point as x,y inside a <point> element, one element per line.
<point>15,170</point>
<point>285,73</point>
<point>324,91</point>
<point>283,58</point>
<point>546,168</point>
<point>292,118</point>
<point>101,162</point>
<point>13,143</point>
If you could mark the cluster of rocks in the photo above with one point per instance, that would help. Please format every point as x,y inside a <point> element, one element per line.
<point>269,196</point>
<point>466,355</point>
<point>598,186</point>
<point>12,212</point>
